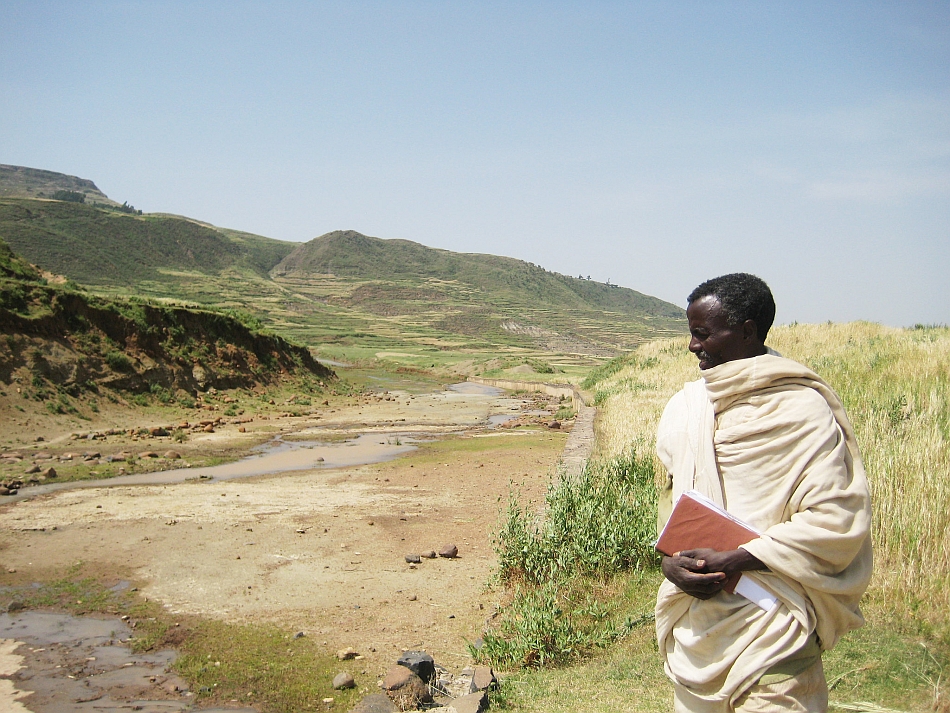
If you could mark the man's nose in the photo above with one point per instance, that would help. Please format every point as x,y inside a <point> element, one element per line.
<point>694,345</point>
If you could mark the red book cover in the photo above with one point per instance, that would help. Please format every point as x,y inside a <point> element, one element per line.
<point>697,522</point>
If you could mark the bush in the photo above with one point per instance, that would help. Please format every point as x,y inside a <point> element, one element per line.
<point>118,361</point>
<point>69,196</point>
<point>595,525</point>
<point>599,522</point>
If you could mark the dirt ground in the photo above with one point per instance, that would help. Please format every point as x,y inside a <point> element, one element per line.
<point>321,550</point>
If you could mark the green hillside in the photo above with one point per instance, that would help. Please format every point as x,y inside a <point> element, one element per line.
<point>67,345</point>
<point>346,295</point>
<point>103,247</point>
<point>350,254</point>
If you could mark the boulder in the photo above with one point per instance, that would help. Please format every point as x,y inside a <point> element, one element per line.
<point>157,431</point>
<point>405,689</point>
<point>484,678</point>
<point>449,552</point>
<point>172,455</point>
<point>343,680</point>
<point>413,559</point>
<point>420,663</point>
<point>472,703</point>
<point>49,472</point>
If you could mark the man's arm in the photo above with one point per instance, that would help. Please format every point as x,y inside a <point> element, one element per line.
<point>702,573</point>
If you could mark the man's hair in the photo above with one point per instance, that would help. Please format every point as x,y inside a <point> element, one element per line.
<point>742,296</point>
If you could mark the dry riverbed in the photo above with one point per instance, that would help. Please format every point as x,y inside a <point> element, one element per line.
<point>320,548</point>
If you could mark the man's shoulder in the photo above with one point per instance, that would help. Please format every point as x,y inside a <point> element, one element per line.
<point>676,410</point>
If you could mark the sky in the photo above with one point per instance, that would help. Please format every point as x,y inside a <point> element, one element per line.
<point>654,144</point>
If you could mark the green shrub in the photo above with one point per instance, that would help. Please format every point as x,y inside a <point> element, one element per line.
<point>598,522</point>
<point>118,361</point>
<point>162,394</point>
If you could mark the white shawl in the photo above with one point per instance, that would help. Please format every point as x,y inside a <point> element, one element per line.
<point>767,439</point>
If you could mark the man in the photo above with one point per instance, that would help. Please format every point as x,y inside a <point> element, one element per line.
<point>769,441</point>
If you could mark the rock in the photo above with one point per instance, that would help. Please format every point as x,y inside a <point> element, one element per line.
<point>413,559</point>
<point>4,490</point>
<point>208,429</point>
<point>554,424</point>
<point>148,454</point>
<point>241,429</point>
<point>375,703</point>
<point>430,555</point>
<point>299,635</point>
<point>405,689</point>
<point>49,472</point>
<point>343,680</point>
<point>172,455</point>
<point>449,552</point>
<point>157,431</point>
<point>346,654</point>
<point>484,678</point>
<point>15,606</point>
<point>472,703</point>
<point>419,662</point>
<point>33,469</point>
<point>89,455</point>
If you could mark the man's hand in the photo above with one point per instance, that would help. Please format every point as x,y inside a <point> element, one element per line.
<point>701,573</point>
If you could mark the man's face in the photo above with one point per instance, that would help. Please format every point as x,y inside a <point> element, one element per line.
<point>712,340</point>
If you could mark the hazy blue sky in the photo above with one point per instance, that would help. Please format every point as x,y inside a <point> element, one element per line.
<point>654,144</point>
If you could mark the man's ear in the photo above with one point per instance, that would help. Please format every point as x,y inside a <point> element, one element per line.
<point>750,332</point>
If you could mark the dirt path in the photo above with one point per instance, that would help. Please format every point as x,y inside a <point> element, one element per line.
<point>318,550</point>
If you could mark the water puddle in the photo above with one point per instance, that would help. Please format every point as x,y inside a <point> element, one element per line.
<point>58,663</point>
<point>276,456</point>
<point>470,388</point>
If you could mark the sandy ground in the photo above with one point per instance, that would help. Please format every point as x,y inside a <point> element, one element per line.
<point>321,550</point>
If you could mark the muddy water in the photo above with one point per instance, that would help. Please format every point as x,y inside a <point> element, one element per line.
<point>276,456</point>
<point>57,663</point>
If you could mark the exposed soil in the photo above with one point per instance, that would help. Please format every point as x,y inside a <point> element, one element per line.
<point>321,550</point>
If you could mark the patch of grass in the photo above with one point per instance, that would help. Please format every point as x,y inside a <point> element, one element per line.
<point>260,665</point>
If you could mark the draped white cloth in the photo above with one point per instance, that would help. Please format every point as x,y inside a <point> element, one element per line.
<point>768,440</point>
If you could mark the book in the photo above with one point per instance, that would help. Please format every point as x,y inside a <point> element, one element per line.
<point>697,522</point>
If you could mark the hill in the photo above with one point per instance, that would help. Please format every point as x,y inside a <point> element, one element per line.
<point>102,247</point>
<point>350,296</point>
<point>63,348</point>
<point>23,182</point>
<point>470,302</point>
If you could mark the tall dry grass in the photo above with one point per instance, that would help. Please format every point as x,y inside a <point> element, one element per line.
<point>895,384</point>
